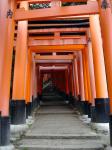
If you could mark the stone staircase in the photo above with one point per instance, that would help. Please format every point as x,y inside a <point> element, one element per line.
<point>57,127</point>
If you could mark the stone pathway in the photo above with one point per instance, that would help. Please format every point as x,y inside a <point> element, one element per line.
<point>57,127</point>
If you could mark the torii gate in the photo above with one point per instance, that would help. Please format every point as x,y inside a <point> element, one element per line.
<point>95,89</point>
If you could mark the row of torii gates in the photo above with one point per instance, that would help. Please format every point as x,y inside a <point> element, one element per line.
<point>86,70</point>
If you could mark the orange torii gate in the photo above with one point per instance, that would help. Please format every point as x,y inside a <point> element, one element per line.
<point>22,89</point>
<point>61,76</point>
<point>58,59</point>
<point>90,8</point>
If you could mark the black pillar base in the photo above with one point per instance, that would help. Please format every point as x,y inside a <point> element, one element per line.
<point>40,97</point>
<point>18,112</point>
<point>89,110</point>
<point>110,126</point>
<point>66,97</point>
<point>84,105</point>
<point>71,100</point>
<point>93,114</point>
<point>85,108</point>
<point>63,95</point>
<point>102,110</point>
<point>78,103</point>
<point>4,131</point>
<point>35,102</point>
<point>28,109</point>
<point>79,98</point>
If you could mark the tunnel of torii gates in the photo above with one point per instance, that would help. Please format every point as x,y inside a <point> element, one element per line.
<point>71,44</point>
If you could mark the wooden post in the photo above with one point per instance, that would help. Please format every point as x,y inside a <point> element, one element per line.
<point>86,102</point>
<point>28,84</point>
<point>19,84</point>
<point>76,77</point>
<point>71,78</point>
<point>92,78</point>
<point>81,82</point>
<point>66,78</point>
<point>101,100</point>
<point>81,76</point>
<point>34,84</point>
<point>7,26</point>
<point>106,30</point>
<point>37,72</point>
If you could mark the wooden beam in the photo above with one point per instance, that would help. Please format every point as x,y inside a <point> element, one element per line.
<point>46,1</point>
<point>53,62</point>
<point>53,37</point>
<point>35,1</point>
<point>33,42</point>
<point>52,68</point>
<point>58,30</point>
<point>64,30</point>
<point>90,8</point>
<point>54,57</point>
<point>58,48</point>
<point>55,25</point>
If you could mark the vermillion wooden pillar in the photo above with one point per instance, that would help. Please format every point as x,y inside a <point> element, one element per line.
<point>69,86</point>
<point>39,93</point>
<point>88,75</point>
<point>33,79</point>
<point>7,26</point>
<point>92,78</point>
<point>81,83</point>
<point>37,72</point>
<point>28,84</point>
<point>88,82</point>
<point>91,70</point>
<point>101,100</point>
<point>81,76</point>
<point>64,82</point>
<point>78,72</point>
<point>70,80</point>
<point>40,83</point>
<point>86,87</point>
<point>72,83</point>
<point>60,80</point>
<point>73,79</point>
<point>106,29</point>
<point>34,85</point>
<point>66,78</point>
<point>76,77</point>
<point>19,84</point>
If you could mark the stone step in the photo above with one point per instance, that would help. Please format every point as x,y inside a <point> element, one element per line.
<point>61,136</point>
<point>54,103</point>
<point>59,128</point>
<point>55,110</point>
<point>63,144</point>
<point>52,97</point>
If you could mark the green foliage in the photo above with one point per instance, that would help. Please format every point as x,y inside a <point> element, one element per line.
<point>72,3</point>
<point>47,5</point>
<point>39,6</point>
